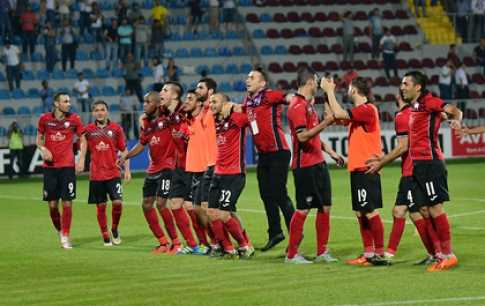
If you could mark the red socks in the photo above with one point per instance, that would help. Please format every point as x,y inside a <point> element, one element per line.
<point>102,219</point>
<point>233,227</point>
<point>183,224</point>
<point>396,234</point>
<point>167,217</point>
<point>199,230</point>
<point>322,225</point>
<point>377,229</point>
<point>296,229</point>
<point>66,219</point>
<point>152,219</point>
<point>218,228</point>
<point>366,234</point>
<point>55,217</point>
<point>423,233</point>
<point>432,235</point>
<point>443,230</point>
<point>116,216</point>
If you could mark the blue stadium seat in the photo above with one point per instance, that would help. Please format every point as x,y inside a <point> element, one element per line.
<point>18,93</point>
<point>265,17</point>
<point>116,72</point>
<point>23,110</point>
<point>225,51</point>
<point>35,7</point>
<point>73,109</point>
<point>149,87</point>
<point>81,56</point>
<point>232,69</point>
<point>182,53</point>
<point>280,49</point>
<point>102,73</point>
<point>42,74</point>
<point>33,93</point>
<point>115,107</point>
<point>266,50</point>
<point>64,89</point>
<point>121,90</point>
<point>232,34</point>
<point>108,91</point>
<point>239,86</point>
<point>246,68</point>
<point>225,87</point>
<point>175,36</point>
<point>37,57</point>
<point>211,52</point>
<point>88,38</point>
<point>96,55</point>
<point>258,33</point>
<point>245,3</point>
<point>238,51</point>
<point>217,69</point>
<point>4,94</point>
<point>202,68</point>
<point>176,4</point>
<point>30,130</point>
<point>3,131</point>
<point>17,40</point>
<point>25,57</point>
<point>196,52</point>
<point>41,40</point>
<point>105,6</point>
<point>88,73</point>
<point>146,71</point>
<point>28,75</point>
<point>58,74</point>
<point>72,74</point>
<point>168,53</point>
<point>147,4</point>
<point>38,110</point>
<point>94,91</point>
<point>217,34</point>
<point>189,35</point>
<point>235,100</point>
<point>2,77</point>
<point>8,111</point>
<point>205,18</point>
<point>203,35</point>
<point>75,6</point>
<point>193,85</point>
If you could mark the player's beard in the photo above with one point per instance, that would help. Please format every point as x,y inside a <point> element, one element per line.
<point>203,98</point>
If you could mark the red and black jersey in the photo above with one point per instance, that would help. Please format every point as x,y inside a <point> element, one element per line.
<point>59,138</point>
<point>158,136</point>
<point>180,133</point>
<point>424,125</point>
<point>104,143</point>
<point>231,144</point>
<point>302,117</point>
<point>402,130</point>
<point>265,110</point>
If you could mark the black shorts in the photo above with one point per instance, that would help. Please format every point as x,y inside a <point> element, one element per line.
<point>430,183</point>
<point>158,184</point>
<point>206,183</point>
<point>195,189</point>
<point>180,184</point>
<point>312,186</point>
<point>366,191</point>
<point>405,196</point>
<point>99,189</point>
<point>59,183</point>
<point>225,190</point>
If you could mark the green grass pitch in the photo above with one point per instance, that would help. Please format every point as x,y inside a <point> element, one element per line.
<point>34,270</point>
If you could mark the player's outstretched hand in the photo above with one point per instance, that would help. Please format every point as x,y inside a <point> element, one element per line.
<point>327,85</point>
<point>127,177</point>
<point>338,159</point>
<point>80,167</point>
<point>464,131</point>
<point>454,124</point>
<point>377,158</point>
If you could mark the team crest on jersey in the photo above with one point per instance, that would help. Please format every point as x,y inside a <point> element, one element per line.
<point>419,107</point>
<point>58,137</point>
<point>102,146</point>
<point>66,124</point>
<point>220,140</point>
<point>309,200</point>
<point>154,141</point>
<point>110,133</point>
<point>309,110</point>
<point>160,124</point>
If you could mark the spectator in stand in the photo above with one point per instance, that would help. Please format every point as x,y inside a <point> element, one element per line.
<point>49,45</point>
<point>158,74</point>
<point>348,35</point>
<point>29,22</point>
<point>479,54</point>
<point>131,69</point>
<point>85,17</point>
<point>476,20</point>
<point>14,64</point>
<point>228,12</point>
<point>387,45</point>
<point>345,82</point>
<point>81,87</point>
<point>128,105</point>
<point>195,15</point>
<point>5,22</point>
<point>462,17</point>
<point>213,15</point>
<point>16,146</point>
<point>338,88</point>
<point>50,13</point>
<point>420,3</point>
<point>158,36</point>
<point>64,11</point>
<point>47,92</point>
<point>172,71</point>
<point>122,11</point>
<point>68,48</point>
<point>455,60</point>
<point>142,40</point>
<point>375,32</point>
<point>159,12</point>
<point>111,45</point>
<point>97,19</point>
<point>446,75</point>
<point>20,7</point>
<point>42,13</point>
<point>125,31</point>
<point>461,80</point>
<point>135,14</point>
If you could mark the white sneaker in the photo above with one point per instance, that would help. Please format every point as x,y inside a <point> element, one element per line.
<point>115,237</point>
<point>297,260</point>
<point>107,242</point>
<point>65,243</point>
<point>59,233</point>
<point>325,257</point>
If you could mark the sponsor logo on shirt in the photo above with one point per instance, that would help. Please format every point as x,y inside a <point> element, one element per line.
<point>102,146</point>
<point>220,140</point>
<point>58,137</point>
<point>154,141</point>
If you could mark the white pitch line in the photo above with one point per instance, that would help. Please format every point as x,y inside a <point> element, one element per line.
<point>467,214</point>
<point>410,302</point>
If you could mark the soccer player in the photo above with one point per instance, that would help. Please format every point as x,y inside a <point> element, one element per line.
<point>157,135</point>
<point>310,171</point>
<point>173,109</point>
<point>404,199</point>
<point>103,139</point>
<point>55,138</point>
<point>364,143</point>
<point>229,177</point>
<point>465,131</point>
<point>429,181</point>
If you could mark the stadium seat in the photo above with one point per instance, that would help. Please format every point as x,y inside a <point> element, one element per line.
<point>253,18</point>
<point>334,16</point>
<point>321,17</point>
<point>440,61</point>
<point>280,49</point>
<point>390,98</point>
<point>308,17</point>
<point>88,38</point>
<point>239,86</point>
<point>295,50</point>
<point>30,130</point>
<point>28,75</point>
<point>401,14</point>
<point>217,69</point>
<point>37,57</point>
<point>308,49</point>
<point>258,33</point>
<point>245,3</point>
<point>395,81</point>
<point>38,110</point>
<point>88,73</point>
<point>2,77</point>
<point>434,80</point>
<point>344,65</point>
<point>381,81</point>
<point>102,73</point>
<point>72,74</point>
<point>116,72</point>
<point>225,51</point>
<point>146,71</point>
<point>365,47</point>
<point>287,33</point>
<point>265,17</point>
<point>175,36</point>
<point>315,32</point>
<point>201,68</point>
<point>272,33</point>
<point>232,69</point>
<point>211,52</point>
<point>232,34</point>
<point>386,117</point>
<point>182,53</point>
<point>42,74</point>
<point>478,78</point>
<point>401,64</point>
<point>217,35</point>
<point>81,56</point>
<point>18,93</point>
<point>427,62</point>
<point>359,65</point>
<point>96,56</point>
<point>318,66</point>
<point>121,90</point>
<point>293,17</point>
<point>360,16</point>
<point>279,18</point>
<point>373,64</point>
<point>272,67</point>
<point>8,111</point>
<point>469,61</point>
<point>114,107</point>
<point>105,6</point>
<point>387,14</point>
<point>246,68</point>
<point>108,91</point>
<point>323,49</point>
<point>337,49</point>
<point>473,94</point>
<point>189,35</point>
<point>289,67</point>
<point>266,50</point>
<point>203,35</point>
<point>410,30</point>
<point>73,109</point>
<point>3,131</point>
<point>238,51</point>
<point>225,87</point>
<point>94,91</point>
<point>33,93</point>
<point>23,110</point>
<point>405,46</point>
<point>415,63</point>
<point>58,74</point>
<point>329,32</point>
<point>397,31</point>
<point>470,114</point>
<point>64,89</point>
<point>299,32</point>
<point>331,65</point>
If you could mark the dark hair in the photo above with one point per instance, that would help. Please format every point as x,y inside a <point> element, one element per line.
<point>176,88</point>
<point>263,72</point>
<point>362,85</point>
<point>98,103</point>
<point>452,46</point>
<point>304,74</point>
<point>210,83</point>
<point>57,96</point>
<point>418,77</point>
<point>191,91</point>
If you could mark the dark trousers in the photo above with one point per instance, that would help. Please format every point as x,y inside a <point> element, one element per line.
<point>28,40</point>
<point>50,57</point>
<point>85,23</point>
<point>389,60</point>
<point>376,40</point>
<point>272,172</point>
<point>20,162</point>
<point>68,50</point>
<point>135,86</point>
<point>14,73</point>
<point>463,93</point>
<point>127,121</point>
<point>445,91</point>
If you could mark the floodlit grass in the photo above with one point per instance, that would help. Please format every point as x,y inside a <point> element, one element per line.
<point>34,270</point>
